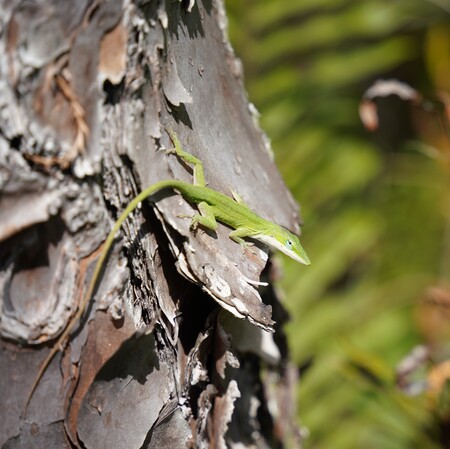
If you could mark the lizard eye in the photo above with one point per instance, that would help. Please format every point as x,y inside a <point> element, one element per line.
<point>289,243</point>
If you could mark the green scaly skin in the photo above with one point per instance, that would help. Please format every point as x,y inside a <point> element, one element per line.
<point>213,206</point>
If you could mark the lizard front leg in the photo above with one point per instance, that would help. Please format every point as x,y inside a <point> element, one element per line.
<point>238,236</point>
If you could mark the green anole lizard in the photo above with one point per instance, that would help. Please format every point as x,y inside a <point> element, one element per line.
<point>213,206</point>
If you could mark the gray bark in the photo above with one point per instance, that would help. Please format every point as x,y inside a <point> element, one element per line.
<point>176,348</point>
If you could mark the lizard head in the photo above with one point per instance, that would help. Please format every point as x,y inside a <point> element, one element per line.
<point>286,242</point>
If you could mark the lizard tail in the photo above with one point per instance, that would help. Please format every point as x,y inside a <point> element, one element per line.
<point>98,268</point>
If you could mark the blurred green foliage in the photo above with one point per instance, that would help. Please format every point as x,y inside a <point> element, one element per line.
<point>375,207</point>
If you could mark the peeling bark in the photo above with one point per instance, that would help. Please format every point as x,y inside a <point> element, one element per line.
<point>176,348</point>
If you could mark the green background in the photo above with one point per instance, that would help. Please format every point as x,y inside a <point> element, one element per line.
<point>375,206</point>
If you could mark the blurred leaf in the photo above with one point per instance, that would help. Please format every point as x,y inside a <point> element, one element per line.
<point>375,209</point>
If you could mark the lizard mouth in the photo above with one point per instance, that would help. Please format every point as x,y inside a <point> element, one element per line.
<point>272,242</point>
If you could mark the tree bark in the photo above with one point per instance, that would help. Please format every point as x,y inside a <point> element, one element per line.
<point>176,348</point>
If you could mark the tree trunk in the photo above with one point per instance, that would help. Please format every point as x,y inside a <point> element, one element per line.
<point>176,348</point>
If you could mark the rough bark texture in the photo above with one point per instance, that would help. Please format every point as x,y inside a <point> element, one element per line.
<point>176,348</point>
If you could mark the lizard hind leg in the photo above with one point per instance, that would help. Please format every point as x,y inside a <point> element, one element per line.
<point>205,218</point>
<point>199,176</point>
